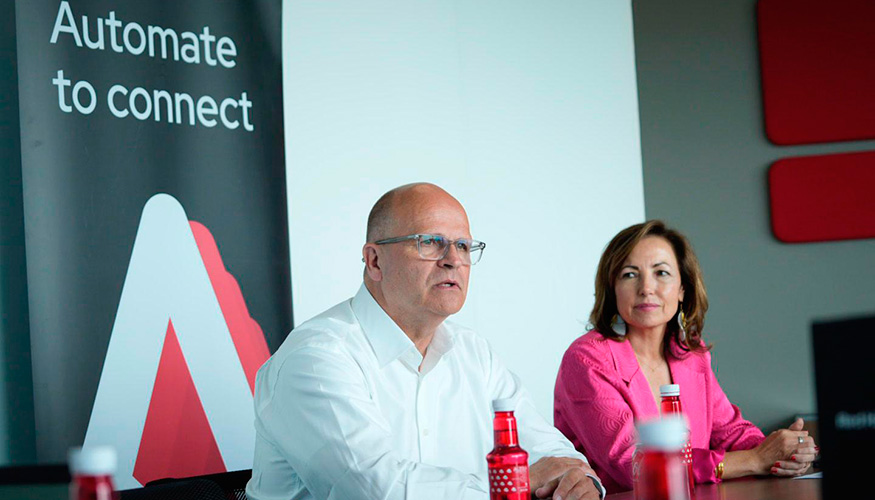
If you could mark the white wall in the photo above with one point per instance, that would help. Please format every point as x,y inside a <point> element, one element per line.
<point>526,112</point>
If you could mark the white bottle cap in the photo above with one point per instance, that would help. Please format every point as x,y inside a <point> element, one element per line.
<point>92,461</point>
<point>508,404</point>
<point>669,390</point>
<point>665,434</point>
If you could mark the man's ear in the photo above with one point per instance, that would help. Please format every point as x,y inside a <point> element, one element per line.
<point>371,257</point>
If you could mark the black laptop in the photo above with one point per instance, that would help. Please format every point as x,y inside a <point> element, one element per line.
<point>844,367</point>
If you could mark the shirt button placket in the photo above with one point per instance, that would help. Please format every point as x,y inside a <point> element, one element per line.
<point>426,420</point>
<point>421,420</point>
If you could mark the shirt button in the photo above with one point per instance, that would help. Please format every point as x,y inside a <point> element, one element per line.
<point>425,432</point>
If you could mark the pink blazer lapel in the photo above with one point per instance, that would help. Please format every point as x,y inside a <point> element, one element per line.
<point>639,390</point>
<point>694,398</point>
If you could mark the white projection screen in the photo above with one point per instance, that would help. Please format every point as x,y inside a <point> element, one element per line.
<point>525,111</point>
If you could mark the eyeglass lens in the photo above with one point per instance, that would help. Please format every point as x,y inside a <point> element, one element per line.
<point>437,247</point>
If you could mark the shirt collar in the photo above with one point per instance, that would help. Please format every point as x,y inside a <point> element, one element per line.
<point>386,337</point>
<point>440,344</point>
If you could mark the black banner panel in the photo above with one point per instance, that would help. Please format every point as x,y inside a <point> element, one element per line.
<point>155,217</point>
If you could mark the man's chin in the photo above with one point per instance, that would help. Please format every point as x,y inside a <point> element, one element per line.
<point>448,308</point>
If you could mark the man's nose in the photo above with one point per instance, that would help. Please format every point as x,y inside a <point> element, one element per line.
<point>453,258</point>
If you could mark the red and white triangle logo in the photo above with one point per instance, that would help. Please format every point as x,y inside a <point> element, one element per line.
<point>175,393</point>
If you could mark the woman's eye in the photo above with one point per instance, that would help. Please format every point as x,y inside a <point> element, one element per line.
<point>628,275</point>
<point>663,273</point>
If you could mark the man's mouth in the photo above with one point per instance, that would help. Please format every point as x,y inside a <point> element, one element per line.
<point>448,284</point>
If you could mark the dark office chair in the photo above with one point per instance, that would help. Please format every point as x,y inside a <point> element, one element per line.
<point>178,489</point>
<point>229,485</point>
<point>232,483</point>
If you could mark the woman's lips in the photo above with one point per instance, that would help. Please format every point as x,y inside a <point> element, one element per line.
<point>647,307</point>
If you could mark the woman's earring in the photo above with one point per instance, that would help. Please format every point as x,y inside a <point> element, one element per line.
<point>618,325</point>
<point>682,321</point>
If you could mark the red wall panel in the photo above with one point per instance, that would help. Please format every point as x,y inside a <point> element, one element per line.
<point>822,198</point>
<point>817,59</point>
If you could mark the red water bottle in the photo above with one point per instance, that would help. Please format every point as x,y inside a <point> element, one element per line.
<point>92,469</point>
<point>508,463</point>
<point>671,405</point>
<point>661,471</point>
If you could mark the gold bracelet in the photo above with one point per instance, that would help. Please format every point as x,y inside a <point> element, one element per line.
<point>719,471</point>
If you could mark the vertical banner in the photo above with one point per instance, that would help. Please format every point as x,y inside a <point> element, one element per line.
<point>155,225</point>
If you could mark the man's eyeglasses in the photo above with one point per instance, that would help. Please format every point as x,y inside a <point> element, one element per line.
<point>435,247</point>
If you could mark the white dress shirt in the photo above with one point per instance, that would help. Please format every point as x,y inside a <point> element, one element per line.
<point>344,412</point>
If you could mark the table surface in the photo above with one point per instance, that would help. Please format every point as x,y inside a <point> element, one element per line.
<point>741,489</point>
<point>751,489</point>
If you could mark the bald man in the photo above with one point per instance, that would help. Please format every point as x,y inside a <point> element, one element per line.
<point>381,397</point>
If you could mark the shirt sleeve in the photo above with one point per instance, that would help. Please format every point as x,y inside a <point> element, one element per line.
<point>321,418</point>
<point>729,431</point>
<point>599,417</point>
<point>537,436</point>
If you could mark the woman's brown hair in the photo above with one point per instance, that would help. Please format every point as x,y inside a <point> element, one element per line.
<point>695,302</point>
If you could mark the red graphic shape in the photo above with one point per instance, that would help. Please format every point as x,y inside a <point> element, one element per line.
<point>245,331</point>
<point>177,440</point>
<point>823,198</point>
<point>818,76</point>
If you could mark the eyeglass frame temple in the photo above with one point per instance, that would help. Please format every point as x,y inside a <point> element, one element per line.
<point>397,239</point>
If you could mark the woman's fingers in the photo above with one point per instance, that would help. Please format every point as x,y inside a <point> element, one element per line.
<point>791,465</point>
<point>803,458</point>
<point>787,472</point>
<point>786,468</point>
<point>807,442</point>
<point>794,440</point>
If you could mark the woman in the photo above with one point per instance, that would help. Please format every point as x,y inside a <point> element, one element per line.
<point>648,316</point>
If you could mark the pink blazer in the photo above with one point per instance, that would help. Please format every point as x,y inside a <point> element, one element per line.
<point>601,391</point>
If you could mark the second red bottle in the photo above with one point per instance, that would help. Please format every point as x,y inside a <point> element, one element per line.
<point>671,405</point>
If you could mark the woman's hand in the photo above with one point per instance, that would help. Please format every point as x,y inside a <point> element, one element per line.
<point>787,452</point>
<point>781,454</point>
